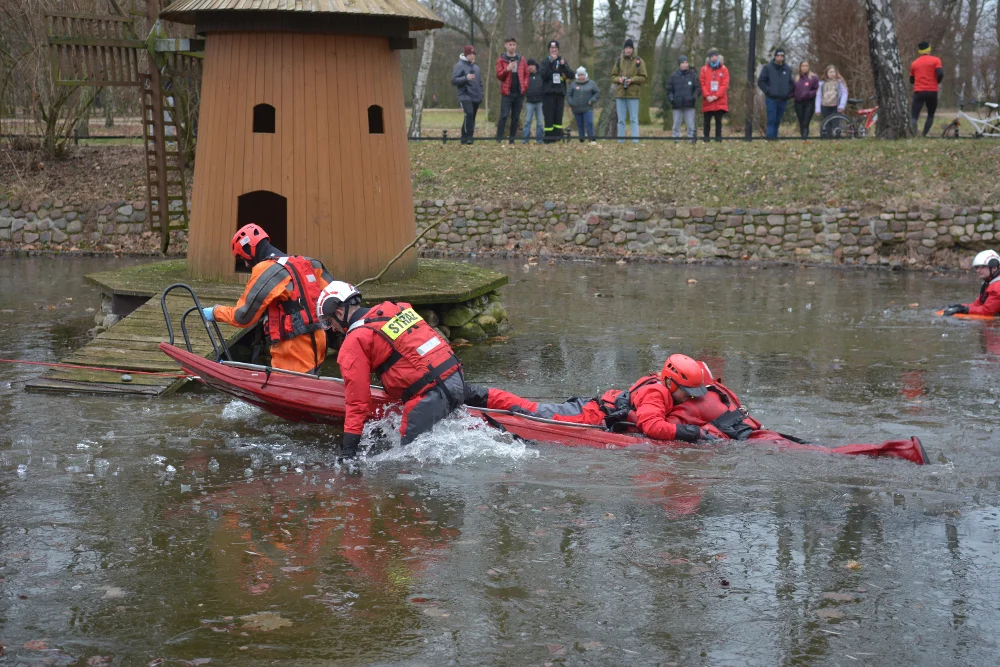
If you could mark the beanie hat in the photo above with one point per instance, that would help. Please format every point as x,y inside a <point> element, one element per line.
<point>923,48</point>
<point>553,43</point>
<point>581,70</point>
<point>629,43</point>
<point>682,59</point>
<point>468,50</point>
<point>779,51</point>
<point>713,52</point>
<point>532,61</point>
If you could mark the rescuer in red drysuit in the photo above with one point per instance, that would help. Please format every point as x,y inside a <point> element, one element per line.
<point>282,290</point>
<point>684,403</point>
<point>987,267</point>
<point>415,364</point>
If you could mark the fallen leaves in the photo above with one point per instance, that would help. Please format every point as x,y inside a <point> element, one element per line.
<point>36,645</point>
<point>264,621</point>
<point>853,565</point>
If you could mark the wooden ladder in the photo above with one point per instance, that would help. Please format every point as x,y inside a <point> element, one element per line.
<point>165,186</point>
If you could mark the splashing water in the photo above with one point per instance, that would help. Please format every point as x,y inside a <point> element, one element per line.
<point>240,411</point>
<point>457,438</point>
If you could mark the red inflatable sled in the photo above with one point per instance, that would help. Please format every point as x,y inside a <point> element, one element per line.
<point>307,398</point>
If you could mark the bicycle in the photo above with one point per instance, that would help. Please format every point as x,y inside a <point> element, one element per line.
<point>984,127</point>
<point>841,126</point>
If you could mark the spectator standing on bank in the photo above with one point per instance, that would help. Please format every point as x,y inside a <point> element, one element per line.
<point>533,103</point>
<point>806,85</point>
<point>512,72</point>
<point>926,74</point>
<point>555,73</point>
<point>628,75</point>
<point>583,94</point>
<point>467,79</point>
<point>682,90</point>
<point>714,80</point>
<point>831,97</point>
<point>775,81</point>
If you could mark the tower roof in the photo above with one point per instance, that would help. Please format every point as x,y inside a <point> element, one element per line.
<point>418,16</point>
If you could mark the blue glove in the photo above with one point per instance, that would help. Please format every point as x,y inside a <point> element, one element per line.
<point>208,313</point>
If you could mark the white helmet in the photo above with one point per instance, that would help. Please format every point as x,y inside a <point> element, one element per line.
<point>988,258</point>
<point>333,296</point>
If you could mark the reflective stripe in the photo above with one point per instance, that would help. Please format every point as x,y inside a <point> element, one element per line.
<point>428,346</point>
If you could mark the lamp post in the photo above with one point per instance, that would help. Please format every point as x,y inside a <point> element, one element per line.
<point>751,50</point>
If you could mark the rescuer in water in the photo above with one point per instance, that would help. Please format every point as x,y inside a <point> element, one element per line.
<point>283,289</point>
<point>415,364</point>
<point>683,403</point>
<point>987,267</point>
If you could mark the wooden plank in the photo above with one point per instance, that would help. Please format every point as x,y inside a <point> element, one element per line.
<point>297,214</point>
<point>324,214</point>
<point>310,223</point>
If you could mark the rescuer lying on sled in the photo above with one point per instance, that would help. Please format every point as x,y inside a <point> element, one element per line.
<point>987,267</point>
<point>415,364</point>
<point>683,403</point>
<point>283,289</point>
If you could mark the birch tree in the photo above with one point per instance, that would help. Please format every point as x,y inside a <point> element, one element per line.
<point>420,85</point>
<point>883,49</point>
<point>608,121</point>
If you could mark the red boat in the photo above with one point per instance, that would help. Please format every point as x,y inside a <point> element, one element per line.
<point>308,398</point>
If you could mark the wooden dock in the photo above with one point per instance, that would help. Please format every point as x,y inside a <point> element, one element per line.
<point>132,344</point>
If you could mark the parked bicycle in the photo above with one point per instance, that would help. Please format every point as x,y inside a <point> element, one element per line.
<point>982,127</point>
<point>841,126</point>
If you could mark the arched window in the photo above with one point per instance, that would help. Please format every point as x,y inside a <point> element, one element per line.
<point>263,119</point>
<point>375,120</point>
<point>270,211</point>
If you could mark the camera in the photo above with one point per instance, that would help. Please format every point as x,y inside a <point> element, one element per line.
<point>625,84</point>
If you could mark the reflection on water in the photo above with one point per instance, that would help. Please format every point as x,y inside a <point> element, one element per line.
<point>194,527</point>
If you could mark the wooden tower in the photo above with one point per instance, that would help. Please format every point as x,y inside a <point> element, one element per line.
<point>302,131</point>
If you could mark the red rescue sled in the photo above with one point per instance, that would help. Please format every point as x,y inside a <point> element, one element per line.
<point>307,398</point>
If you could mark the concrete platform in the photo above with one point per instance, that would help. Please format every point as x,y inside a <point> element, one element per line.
<point>131,344</point>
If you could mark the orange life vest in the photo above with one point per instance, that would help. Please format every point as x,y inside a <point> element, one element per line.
<point>296,315</point>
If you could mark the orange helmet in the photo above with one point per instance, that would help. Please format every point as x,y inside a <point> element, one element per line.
<point>245,241</point>
<point>686,373</point>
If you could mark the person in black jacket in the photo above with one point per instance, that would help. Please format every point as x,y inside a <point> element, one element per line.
<point>533,103</point>
<point>468,81</point>
<point>775,81</point>
<point>554,73</point>
<point>683,89</point>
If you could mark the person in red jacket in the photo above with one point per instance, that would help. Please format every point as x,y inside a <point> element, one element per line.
<point>987,267</point>
<point>683,403</point>
<point>512,72</point>
<point>926,74</point>
<point>282,290</point>
<point>714,79</point>
<point>415,364</point>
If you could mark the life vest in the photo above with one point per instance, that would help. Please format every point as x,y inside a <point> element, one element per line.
<point>617,405</point>
<point>294,316</point>
<point>736,422</point>
<point>420,357</point>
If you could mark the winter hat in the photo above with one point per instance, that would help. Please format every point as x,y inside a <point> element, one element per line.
<point>713,52</point>
<point>779,51</point>
<point>532,61</point>
<point>553,43</point>
<point>682,59</point>
<point>923,48</point>
<point>581,70</point>
<point>629,43</point>
<point>468,50</point>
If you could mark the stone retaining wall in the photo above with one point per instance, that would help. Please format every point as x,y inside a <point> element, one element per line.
<point>918,236</point>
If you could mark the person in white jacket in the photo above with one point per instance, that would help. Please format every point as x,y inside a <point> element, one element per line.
<point>832,95</point>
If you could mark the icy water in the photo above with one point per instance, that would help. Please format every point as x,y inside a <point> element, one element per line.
<point>197,529</point>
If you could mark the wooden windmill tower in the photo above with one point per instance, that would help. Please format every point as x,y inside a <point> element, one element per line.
<point>129,48</point>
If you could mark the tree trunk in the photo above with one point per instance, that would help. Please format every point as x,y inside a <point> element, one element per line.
<point>420,85</point>
<point>83,121</point>
<point>966,50</point>
<point>509,18</point>
<point>585,47</point>
<point>646,50</point>
<point>883,48</point>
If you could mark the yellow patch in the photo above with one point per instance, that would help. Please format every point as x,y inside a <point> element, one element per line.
<point>395,327</point>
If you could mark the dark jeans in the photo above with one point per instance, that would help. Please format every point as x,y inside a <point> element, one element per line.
<point>717,115</point>
<point>775,108</point>
<point>552,109</point>
<point>930,98</point>
<point>805,111</point>
<point>469,122</point>
<point>510,106</point>
<point>585,124</point>
<point>827,111</point>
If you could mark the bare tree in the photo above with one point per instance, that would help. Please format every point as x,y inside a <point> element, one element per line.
<point>420,85</point>
<point>887,71</point>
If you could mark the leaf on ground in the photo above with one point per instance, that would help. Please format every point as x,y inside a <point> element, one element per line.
<point>257,589</point>
<point>264,621</point>
<point>853,565</point>
<point>36,645</point>
<point>556,649</point>
<point>590,646</point>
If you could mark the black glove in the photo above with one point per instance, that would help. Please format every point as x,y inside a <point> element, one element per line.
<point>349,448</point>
<point>956,308</point>
<point>688,433</point>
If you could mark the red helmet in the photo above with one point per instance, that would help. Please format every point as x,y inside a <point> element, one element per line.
<point>686,373</point>
<point>245,241</point>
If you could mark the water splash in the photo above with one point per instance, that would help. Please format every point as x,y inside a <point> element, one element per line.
<point>458,438</point>
<point>240,411</point>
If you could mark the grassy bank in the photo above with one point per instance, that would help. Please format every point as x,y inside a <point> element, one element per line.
<point>733,173</point>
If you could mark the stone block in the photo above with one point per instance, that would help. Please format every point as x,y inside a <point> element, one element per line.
<point>5,223</point>
<point>29,237</point>
<point>5,234</point>
<point>45,236</point>
<point>698,212</point>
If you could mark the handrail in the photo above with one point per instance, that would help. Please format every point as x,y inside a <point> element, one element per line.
<point>221,349</point>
